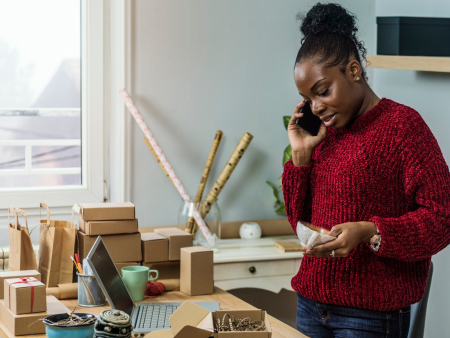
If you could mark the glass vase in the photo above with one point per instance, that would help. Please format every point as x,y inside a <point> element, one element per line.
<point>213,218</point>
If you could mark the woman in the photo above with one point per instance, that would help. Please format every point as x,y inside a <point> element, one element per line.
<point>375,176</point>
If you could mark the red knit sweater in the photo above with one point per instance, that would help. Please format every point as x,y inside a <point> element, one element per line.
<point>385,167</point>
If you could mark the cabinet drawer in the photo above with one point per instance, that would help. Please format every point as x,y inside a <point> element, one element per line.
<point>240,270</point>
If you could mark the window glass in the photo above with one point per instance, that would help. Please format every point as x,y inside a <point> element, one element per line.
<point>40,116</point>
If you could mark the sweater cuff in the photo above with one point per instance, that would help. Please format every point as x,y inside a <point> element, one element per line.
<point>290,168</point>
<point>383,250</point>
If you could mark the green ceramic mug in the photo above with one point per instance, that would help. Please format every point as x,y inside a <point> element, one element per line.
<point>136,279</point>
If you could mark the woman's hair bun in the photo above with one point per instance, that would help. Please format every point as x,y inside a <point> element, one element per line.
<point>332,18</point>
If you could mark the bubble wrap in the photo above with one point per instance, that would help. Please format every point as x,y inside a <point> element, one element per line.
<point>310,238</point>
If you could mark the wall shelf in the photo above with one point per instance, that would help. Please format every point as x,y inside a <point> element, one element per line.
<point>421,63</point>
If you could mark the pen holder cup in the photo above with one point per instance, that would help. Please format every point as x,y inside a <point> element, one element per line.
<point>90,293</point>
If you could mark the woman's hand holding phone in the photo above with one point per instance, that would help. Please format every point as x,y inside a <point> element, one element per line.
<point>302,142</point>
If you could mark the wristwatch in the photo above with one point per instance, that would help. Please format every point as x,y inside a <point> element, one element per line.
<point>375,241</point>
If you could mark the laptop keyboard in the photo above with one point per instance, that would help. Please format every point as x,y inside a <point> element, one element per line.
<point>155,316</point>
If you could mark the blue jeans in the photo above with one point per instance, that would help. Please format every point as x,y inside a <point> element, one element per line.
<point>318,320</point>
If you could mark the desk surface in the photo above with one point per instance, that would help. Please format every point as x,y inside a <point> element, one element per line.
<point>227,302</point>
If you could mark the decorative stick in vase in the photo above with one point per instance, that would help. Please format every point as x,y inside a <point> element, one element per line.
<point>225,174</point>
<point>141,123</point>
<point>157,160</point>
<point>212,154</point>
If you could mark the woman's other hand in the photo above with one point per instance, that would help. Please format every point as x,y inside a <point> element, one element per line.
<point>302,142</point>
<point>349,235</point>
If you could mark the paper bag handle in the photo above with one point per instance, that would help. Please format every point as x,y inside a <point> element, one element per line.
<point>12,211</point>
<point>44,205</point>
<point>75,209</point>
<point>21,212</point>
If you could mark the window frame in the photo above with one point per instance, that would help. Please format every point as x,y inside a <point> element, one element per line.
<point>92,109</point>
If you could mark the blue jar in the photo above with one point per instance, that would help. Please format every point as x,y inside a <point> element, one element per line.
<point>65,331</point>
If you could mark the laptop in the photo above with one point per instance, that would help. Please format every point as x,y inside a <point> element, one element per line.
<point>146,316</point>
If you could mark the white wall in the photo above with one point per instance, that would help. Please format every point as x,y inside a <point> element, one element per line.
<point>199,66</point>
<point>426,92</point>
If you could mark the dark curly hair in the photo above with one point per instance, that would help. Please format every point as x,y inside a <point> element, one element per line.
<point>329,33</point>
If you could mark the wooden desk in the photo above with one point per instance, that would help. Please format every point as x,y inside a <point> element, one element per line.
<point>227,302</point>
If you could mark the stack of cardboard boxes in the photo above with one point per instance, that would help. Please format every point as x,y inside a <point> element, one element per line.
<point>117,225</point>
<point>161,251</point>
<point>21,308</point>
<point>170,251</point>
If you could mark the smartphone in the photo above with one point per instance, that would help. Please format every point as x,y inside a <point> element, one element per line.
<point>309,122</point>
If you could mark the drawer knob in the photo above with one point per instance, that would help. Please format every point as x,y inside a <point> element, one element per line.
<point>252,269</point>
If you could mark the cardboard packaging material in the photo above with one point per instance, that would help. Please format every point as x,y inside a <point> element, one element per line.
<point>16,274</point>
<point>64,291</point>
<point>197,271</point>
<point>30,323</point>
<point>119,266</point>
<point>107,211</point>
<point>95,228</point>
<point>241,314</point>
<point>170,284</point>
<point>177,239</point>
<point>19,297</point>
<point>188,321</point>
<point>122,248</point>
<point>155,248</point>
<point>167,270</point>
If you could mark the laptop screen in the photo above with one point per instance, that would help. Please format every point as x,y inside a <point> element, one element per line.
<point>109,279</point>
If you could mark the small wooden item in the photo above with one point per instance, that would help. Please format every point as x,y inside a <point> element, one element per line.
<point>226,173</point>
<point>288,246</point>
<point>212,154</point>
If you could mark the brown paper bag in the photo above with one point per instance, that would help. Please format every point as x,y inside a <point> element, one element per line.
<point>21,254</point>
<point>56,245</point>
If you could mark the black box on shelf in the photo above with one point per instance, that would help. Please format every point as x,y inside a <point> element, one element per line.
<point>413,36</point>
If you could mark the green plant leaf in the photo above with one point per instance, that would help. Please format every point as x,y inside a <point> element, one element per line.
<point>286,120</point>
<point>282,209</point>
<point>280,179</point>
<point>275,194</point>
<point>287,155</point>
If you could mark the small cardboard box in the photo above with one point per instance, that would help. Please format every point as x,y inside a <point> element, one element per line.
<point>16,274</point>
<point>119,266</point>
<point>197,271</point>
<point>241,314</point>
<point>122,248</point>
<point>18,296</point>
<point>166,270</point>
<point>188,321</point>
<point>95,228</point>
<point>106,211</point>
<point>177,239</point>
<point>155,248</point>
<point>30,323</point>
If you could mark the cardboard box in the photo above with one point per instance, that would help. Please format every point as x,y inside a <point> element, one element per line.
<point>119,266</point>
<point>177,239</point>
<point>241,314</point>
<point>155,248</point>
<point>30,323</point>
<point>167,270</point>
<point>18,295</point>
<point>188,321</point>
<point>106,211</point>
<point>197,271</point>
<point>95,228</point>
<point>16,274</point>
<point>122,248</point>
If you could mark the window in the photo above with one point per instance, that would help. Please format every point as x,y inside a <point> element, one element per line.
<point>51,104</point>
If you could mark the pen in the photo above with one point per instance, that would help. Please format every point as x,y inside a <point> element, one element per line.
<point>78,261</point>
<point>76,265</point>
